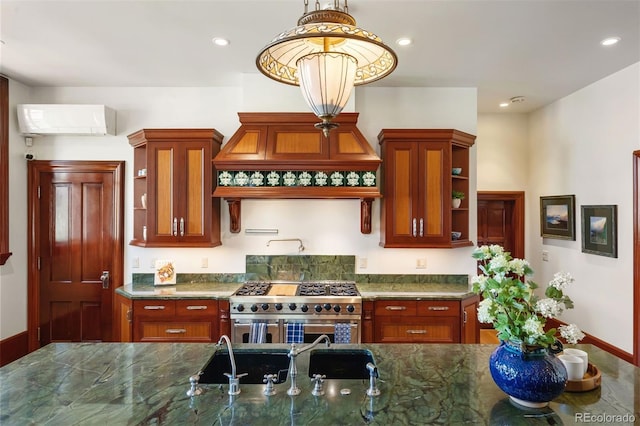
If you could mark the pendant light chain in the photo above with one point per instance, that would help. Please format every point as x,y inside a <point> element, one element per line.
<point>336,5</point>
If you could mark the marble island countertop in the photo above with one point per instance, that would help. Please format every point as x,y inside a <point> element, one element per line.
<point>368,291</point>
<point>146,383</point>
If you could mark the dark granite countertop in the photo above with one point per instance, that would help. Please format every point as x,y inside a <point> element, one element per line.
<point>369,291</point>
<point>146,383</point>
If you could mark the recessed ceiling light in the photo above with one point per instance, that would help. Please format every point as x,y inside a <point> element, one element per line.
<point>610,41</point>
<point>218,41</point>
<point>403,41</point>
<point>504,104</point>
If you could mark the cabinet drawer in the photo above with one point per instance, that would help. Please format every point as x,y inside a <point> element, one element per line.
<point>154,308</point>
<point>445,308</point>
<point>440,330</point>
<point>197,308</point>
<point>395,307</point>
<point>175,331</point>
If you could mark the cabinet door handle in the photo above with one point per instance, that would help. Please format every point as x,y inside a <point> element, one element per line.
<point>196,307</point>
<point>416,331</point>
<point>438,308</point>
<point>175,331</point>
<point>182,226</point>
<point>153,307</point>
<point>421,227</point>
<point>414,227</point>
<point>175,226</point>
<point>395,308</point>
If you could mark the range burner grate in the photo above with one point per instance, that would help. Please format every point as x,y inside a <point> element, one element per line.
<point>307,288</point>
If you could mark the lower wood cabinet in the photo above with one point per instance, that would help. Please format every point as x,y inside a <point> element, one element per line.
<point>424,321</point>
<point>153,320</point>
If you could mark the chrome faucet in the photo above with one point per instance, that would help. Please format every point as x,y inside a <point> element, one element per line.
<point>293,369</point>
<point>234,379</point>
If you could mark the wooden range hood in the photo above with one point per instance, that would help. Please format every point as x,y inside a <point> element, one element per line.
<point>282,155</point>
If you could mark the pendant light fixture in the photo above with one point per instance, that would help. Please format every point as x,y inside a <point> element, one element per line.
<point>326,55</point>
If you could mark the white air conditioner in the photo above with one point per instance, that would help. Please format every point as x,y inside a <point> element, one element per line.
<point>60,119</point>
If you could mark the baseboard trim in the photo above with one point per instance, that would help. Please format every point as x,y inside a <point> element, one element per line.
<point>13,347</point>
<point>554,323</point>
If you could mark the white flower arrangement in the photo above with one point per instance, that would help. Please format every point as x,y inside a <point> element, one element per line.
<point>510,304</point>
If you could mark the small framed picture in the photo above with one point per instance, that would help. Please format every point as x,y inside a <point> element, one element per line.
<point>557,217</point>
<point>599,230</point>
<point>165,272</point>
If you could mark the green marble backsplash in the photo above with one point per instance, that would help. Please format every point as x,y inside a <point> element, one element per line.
<point>306,268</point>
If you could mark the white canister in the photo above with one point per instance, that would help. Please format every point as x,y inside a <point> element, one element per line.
<point>573,364</point>
<point>580,354</point>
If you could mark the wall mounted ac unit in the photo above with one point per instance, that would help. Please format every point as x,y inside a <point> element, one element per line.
<point>60,119</point>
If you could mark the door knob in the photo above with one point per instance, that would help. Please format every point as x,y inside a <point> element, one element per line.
<point>105,278</point>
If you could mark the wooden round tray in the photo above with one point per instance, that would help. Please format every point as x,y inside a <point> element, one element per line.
<point>590,381</point>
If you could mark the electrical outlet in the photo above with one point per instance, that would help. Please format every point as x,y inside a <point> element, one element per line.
<point>153,263</point>
<point>135,262</point>
<point>362,263</point>
<point>204,262</point>
<point>421,263</point>
<point>545,255</point>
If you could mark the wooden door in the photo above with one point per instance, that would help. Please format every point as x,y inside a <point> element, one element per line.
<point>494,224</point>
<point>77,256</point>
<point>196,172</point>
<point>401,164</point>
<point>501,220</point>
<point>433,218</point>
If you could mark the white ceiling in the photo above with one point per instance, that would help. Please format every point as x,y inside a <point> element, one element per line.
<point>540,49</point>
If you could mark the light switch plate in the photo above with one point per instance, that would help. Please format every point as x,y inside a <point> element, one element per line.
<point>421,263</point>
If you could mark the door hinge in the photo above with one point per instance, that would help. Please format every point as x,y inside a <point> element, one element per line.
<point>38,191</point>
<point>38,263</point>
<point>38,334</point>
<point>129,315</point>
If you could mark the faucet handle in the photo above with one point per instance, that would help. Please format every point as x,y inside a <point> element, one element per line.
<point>318,380</point>
<point>194,390</point>
<point>270,380</point>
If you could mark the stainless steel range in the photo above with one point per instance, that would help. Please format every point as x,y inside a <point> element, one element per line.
<point>294,312</point>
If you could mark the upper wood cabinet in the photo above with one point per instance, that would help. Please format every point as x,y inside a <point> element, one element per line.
<point>173,187</point>
<point>417,183</point>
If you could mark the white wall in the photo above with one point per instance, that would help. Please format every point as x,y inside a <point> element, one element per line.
<point>503,152</point>
<point>325,226</point>
<point>13,274</point>
<point>583,145</point>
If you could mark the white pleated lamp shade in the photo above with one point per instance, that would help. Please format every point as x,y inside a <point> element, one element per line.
<point>326,80</point>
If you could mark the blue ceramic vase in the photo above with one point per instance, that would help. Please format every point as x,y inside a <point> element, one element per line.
<point>530,377</point>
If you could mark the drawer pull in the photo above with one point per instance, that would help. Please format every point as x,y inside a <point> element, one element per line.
<point>416,331</point>
<point>438,308</point>
<point>175,331</point>
<point>395,308</point>
<point>154,307</point>
<point>196,308</point>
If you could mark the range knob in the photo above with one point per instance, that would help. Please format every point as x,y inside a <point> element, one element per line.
<point>264,306</point>
<point>336,308</point>
<point>278,306</point>
<point>327,306</point>
<point>292,306</point>
<point>350,308</point>
<point>240,308</point>
<point>304,308</point>
<point>318,308</point>
<point>254,308</point>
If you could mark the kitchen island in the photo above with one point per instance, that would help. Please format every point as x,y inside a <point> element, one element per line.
<point>146,383</point>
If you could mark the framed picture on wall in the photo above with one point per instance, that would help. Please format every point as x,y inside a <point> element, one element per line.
<point>599,230</point>
<point>557,217</point>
